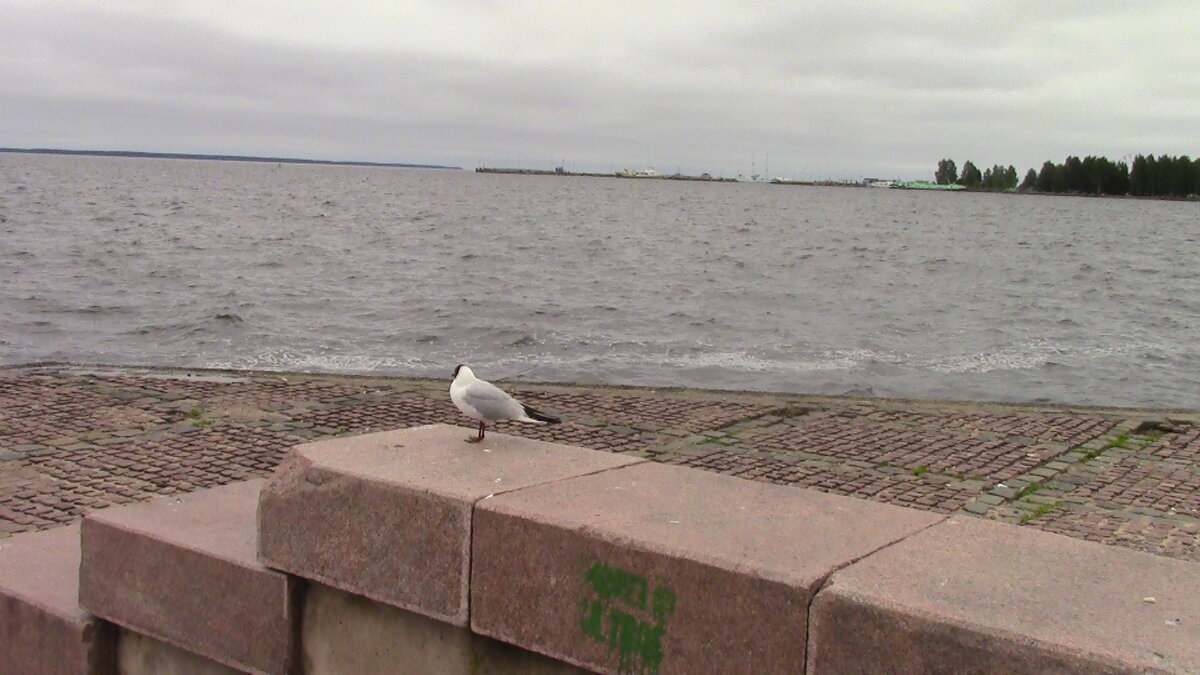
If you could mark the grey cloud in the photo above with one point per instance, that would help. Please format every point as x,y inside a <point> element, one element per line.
<point>837,88</point>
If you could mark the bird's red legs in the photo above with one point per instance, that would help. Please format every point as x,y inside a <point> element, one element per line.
<point>476,439</point>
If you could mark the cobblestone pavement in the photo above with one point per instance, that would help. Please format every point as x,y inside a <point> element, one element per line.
<point>74,439</point>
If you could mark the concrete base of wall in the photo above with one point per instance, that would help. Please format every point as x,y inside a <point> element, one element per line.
<point>345,634</point>
<point>139,654</point>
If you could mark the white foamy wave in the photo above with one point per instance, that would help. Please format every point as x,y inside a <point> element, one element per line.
<point>558,366</point>
<point>290,360</point>
<point>826,360</point>
<point>1027,354</point>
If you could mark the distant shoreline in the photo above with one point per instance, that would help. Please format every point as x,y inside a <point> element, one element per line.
<point>595,174</point>
<point>705,178</point>
<point>915,185</point>
<point>219,158</point>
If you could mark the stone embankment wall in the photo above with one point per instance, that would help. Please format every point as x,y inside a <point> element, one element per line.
<point>413,552</point>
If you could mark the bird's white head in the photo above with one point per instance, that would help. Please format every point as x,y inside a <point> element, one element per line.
<point>463,371</point>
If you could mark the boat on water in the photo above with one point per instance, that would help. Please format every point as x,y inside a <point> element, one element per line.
<point>753,178</point>
<point>648,172</point>
<point>926,185</point>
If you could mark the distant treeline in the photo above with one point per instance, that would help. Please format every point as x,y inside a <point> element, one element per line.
<point>1149,176</point>
<point>223,158</point>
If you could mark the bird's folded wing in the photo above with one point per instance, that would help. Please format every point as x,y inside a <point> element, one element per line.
<point>492,402</point>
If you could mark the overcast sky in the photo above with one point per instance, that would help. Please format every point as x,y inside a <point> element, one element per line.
<point>844,88</point>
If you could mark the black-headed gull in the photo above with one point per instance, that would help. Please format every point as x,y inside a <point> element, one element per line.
<point>484,401</point>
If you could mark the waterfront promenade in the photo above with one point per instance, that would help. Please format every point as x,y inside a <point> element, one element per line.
<point>78,438</point>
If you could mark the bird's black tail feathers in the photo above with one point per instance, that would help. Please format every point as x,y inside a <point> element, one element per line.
<point>540,416</point>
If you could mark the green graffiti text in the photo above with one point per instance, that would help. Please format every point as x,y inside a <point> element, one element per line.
<point>617,616</point>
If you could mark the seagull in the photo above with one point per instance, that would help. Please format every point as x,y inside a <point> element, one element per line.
<point>484,401</point>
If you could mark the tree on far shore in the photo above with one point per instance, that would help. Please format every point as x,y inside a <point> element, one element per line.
<point>947,172</point>
<point>1046,179</point>
<point>1030,181</point>
<point>999,178</point>
<point>1149,176</point>
<point>970,178</point>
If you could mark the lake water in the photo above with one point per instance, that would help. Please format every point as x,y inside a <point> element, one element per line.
<point>596,280</point>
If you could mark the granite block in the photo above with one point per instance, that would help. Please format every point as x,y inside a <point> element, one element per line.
<point>184,570</point>
<point>666,569</point>
<point>976,596</point>
<point>43,631</point>
<point>389,515</point>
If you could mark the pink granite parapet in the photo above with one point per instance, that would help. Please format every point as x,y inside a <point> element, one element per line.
<point>388,515</point>
<point>971,595</point>
<point>184,570</point>
<point>43,631</point>
<point>665,569</point>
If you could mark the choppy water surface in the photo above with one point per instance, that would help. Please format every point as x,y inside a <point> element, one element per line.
<point>738,286</point>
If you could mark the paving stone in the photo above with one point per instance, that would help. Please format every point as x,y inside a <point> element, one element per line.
<point>68,440</point>
<point>978,508</point>
<point>866,448</point>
